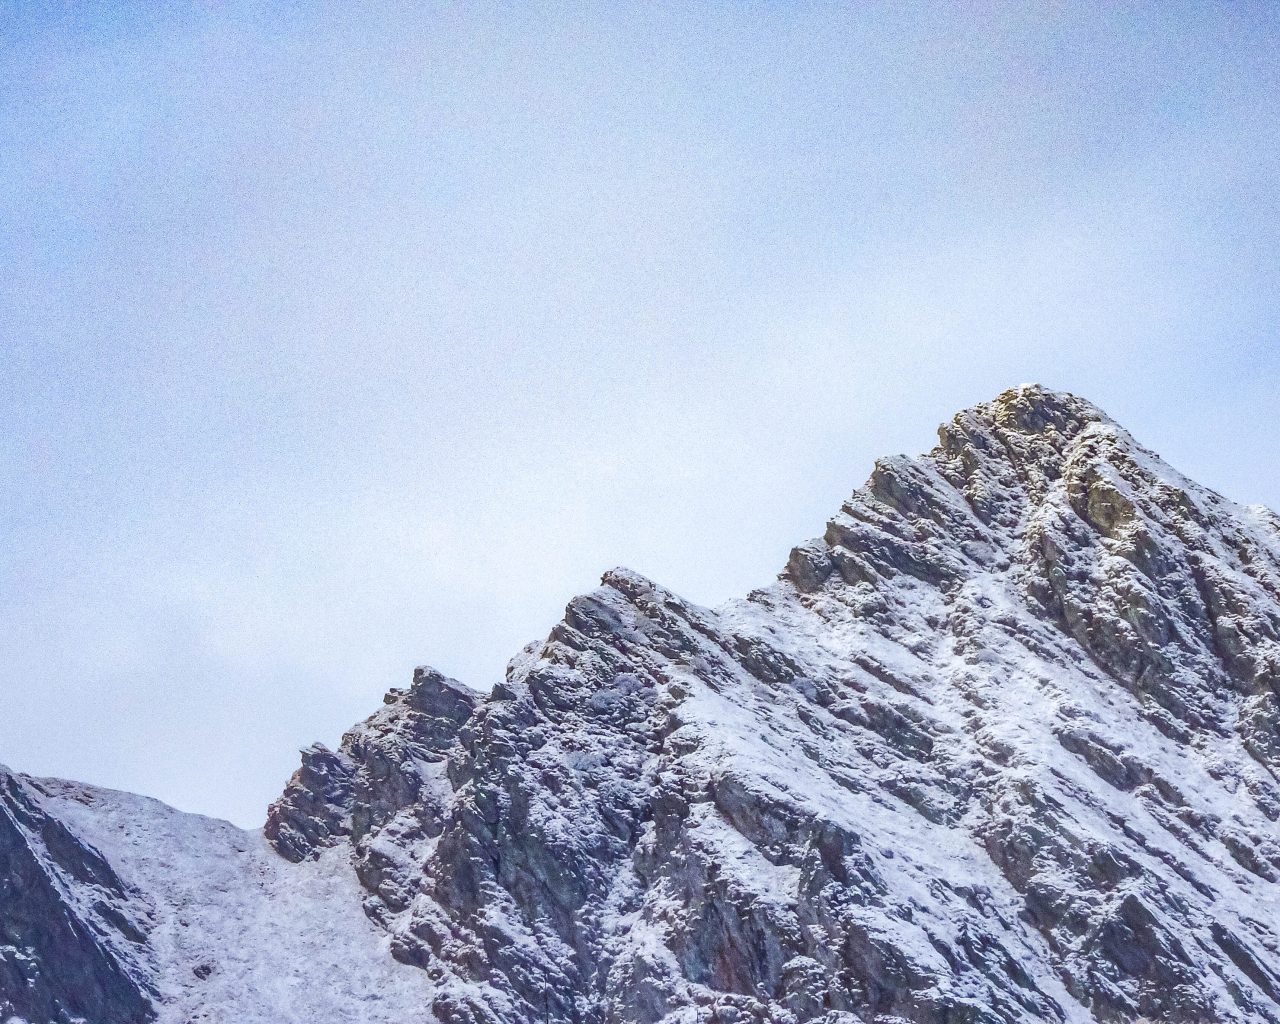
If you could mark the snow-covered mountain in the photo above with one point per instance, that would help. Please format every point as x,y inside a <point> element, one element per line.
<point>1001,746</point>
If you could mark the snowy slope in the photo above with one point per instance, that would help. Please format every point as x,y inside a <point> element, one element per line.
<point>73,935</point>
<point>1000,747</point>
<point>241,935</point>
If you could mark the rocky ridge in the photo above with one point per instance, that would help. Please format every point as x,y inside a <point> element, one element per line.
<point>1001,746</point>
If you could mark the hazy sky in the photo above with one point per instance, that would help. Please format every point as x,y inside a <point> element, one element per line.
<point>337,341</point>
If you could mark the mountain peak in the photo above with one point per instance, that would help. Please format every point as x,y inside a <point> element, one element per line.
<point>994,469</point>
<point>1002,746</point>
<point>997,657</point>
<point>1029,426</point>
<point>1032,407</point>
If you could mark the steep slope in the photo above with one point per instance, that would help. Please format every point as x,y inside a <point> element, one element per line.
<point>1000,747</point>
<point>237,935</point>
<point>72,934</point>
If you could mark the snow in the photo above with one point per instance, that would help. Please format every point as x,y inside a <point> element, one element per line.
<point>1018,712</point>
<point>280,943</point>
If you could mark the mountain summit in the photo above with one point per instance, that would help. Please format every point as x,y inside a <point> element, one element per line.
<point>1000,746</point>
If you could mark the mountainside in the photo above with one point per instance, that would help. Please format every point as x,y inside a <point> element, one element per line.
<point>1001,746</point>
<point>74,936</point>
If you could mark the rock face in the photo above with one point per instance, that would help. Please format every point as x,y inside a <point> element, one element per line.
<point>386,789</point>
<point>72,935</point>
<point>1001,747</point>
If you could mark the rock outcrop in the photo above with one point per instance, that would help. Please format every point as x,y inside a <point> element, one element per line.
<point>1001,747</point>
<point>385,790</point>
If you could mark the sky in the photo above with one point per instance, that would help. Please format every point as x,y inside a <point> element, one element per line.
<point>338,339</point>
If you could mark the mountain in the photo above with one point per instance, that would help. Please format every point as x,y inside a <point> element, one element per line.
<point>1001,746</point>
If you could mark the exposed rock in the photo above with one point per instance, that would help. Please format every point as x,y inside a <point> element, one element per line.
<point>385,789</point>
<point>1000,748</point>
<point>72,935</point>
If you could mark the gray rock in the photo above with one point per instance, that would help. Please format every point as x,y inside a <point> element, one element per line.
<point>72,935</point>
<point>1000,747</point>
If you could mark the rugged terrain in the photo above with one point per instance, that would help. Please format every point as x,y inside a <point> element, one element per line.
<point>1001,746</point>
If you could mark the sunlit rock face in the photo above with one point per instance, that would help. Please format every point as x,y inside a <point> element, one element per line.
<point>1000,746</point>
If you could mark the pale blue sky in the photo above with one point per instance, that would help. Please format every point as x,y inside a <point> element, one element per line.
<point>339,341</point>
